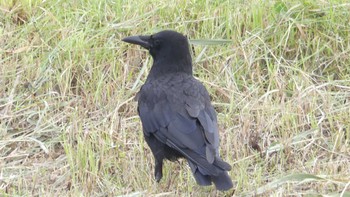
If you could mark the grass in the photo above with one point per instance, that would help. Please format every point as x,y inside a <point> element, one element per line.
<point>68,122</point>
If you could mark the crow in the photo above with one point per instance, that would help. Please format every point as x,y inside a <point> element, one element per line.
<point>177,117</point>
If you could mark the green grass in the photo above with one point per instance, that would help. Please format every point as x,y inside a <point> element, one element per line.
<point>281,87</point>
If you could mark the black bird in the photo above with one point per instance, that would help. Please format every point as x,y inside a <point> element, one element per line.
<point>177,117</point>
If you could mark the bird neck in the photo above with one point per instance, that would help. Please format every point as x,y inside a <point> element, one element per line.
<point>161,68</point>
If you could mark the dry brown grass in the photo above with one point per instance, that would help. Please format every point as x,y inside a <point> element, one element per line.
<point>68,122</point>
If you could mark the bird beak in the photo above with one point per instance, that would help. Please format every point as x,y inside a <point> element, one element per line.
<point>143,41</point>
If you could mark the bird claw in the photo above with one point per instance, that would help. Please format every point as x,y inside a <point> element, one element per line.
<point>158,176</point>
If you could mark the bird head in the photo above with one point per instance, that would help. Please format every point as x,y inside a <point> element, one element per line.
<point>167,48</point>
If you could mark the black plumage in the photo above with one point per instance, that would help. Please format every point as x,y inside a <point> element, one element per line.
<point>177,117</point>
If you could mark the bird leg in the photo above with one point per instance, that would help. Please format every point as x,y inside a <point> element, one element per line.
<point>158,170</point>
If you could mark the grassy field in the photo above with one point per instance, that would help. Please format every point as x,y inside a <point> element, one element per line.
<point>281,87</point>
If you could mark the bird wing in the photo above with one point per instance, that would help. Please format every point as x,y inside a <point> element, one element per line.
<point>177,111</point>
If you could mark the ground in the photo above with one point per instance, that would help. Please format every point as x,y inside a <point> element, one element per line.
<point>277,71</point>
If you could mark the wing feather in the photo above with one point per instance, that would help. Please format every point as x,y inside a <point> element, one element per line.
<point>182,117</point>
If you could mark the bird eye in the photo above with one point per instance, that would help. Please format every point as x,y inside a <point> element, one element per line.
<point>156,43</point>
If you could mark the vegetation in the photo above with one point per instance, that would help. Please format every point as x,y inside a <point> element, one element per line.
<point>278,73</point>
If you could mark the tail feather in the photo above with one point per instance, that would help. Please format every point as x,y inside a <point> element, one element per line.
<point>222,164</point>
<point>204,172</point>
<point>206,167</point>
<point>222,182</point>
<point>203,180</point>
